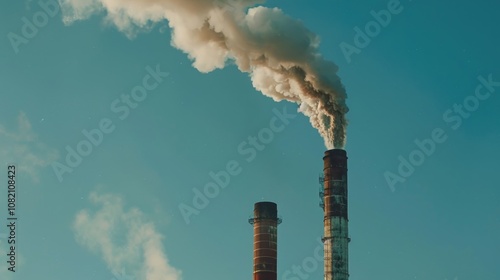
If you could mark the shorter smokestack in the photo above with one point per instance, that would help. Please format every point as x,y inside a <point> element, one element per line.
<point>265,239</point>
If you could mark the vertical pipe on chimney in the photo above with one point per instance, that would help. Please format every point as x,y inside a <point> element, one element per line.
<point>265,224</point>
<point>336,236</point>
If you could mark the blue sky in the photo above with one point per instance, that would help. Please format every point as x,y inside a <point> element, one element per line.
<point>117,211</point>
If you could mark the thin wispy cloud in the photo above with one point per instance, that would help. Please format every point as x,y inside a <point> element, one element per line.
<point>124,238</point>
<point>20,146</point>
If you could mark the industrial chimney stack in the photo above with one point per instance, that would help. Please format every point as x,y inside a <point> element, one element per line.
<point>265,235</point>
<point>334,195</point>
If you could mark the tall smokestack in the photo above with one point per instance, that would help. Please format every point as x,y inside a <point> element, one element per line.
<point>265,237</point>
<point>336,236</point>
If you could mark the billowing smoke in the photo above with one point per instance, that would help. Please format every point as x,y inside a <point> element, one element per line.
<point>279,52</point>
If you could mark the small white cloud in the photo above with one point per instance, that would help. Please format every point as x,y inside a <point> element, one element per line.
<point>22,148</point>
<point>125,239</point>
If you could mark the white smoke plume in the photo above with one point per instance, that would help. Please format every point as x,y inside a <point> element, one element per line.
<point>279,52</point>
<point>127,242</point>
